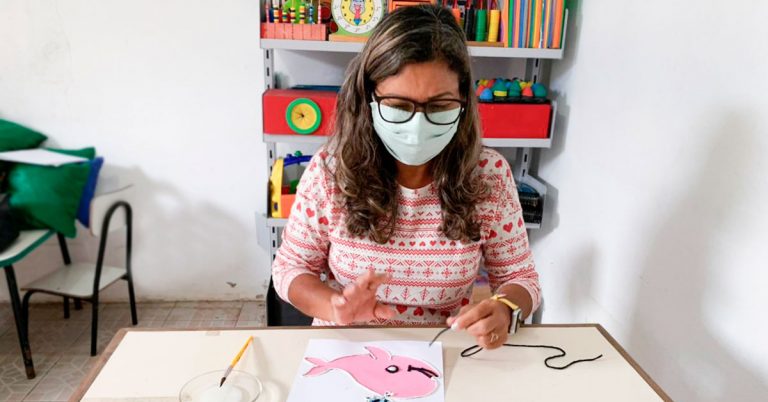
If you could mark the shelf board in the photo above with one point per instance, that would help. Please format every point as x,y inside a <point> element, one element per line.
<point>355,47</point>
<point>489,142</point>
<point>295,139</point>
<point>277,222</point>
<point>518,142</point>
<point>312,45</point>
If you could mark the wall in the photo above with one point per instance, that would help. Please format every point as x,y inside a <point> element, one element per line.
<point>659,187</point>
<point>658,184</point>
<point>169,92</point>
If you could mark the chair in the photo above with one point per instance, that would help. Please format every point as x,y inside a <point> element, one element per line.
<point>83,281</point>
<point>27,241</point>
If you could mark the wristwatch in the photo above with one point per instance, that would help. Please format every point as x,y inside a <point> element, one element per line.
<point>515,313</point>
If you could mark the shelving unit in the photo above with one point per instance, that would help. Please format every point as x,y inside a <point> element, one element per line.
<point>355,47</point>
<point>536,69</point>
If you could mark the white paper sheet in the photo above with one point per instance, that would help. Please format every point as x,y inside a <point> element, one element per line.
<point>42,157</point>
<point>410,379</point>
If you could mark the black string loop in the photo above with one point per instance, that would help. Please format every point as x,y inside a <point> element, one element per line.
<point>475,349</point>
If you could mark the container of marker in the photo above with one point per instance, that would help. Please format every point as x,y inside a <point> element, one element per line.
<point>481,24</point>
<point>469,21</point>
<point>493,30</point>
<point>457,15</point>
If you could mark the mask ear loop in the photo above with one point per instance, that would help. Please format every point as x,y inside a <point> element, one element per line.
<point>475,349</point>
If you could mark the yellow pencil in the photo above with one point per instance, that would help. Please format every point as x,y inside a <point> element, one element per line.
<point>235,360</point>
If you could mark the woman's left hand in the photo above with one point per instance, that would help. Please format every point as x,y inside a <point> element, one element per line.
<point>488,321</point>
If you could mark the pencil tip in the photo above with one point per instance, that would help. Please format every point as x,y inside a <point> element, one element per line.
<point>222,381</point>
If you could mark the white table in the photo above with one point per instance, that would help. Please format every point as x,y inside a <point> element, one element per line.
<point>153,365</point>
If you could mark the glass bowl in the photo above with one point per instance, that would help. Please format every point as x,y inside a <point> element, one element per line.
<point>239,387</point>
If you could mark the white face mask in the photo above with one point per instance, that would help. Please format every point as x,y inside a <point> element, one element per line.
<point>416,141</point>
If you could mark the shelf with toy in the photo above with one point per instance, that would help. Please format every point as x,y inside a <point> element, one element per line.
<point>309,30</point>
<point>356,47</point>
<point>511,109</point>
<point>513,113</point>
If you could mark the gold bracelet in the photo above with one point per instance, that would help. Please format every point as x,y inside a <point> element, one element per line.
<point>500,297</point>
<point>514,322</point>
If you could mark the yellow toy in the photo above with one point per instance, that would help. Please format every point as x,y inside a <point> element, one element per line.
<point>286,173</point>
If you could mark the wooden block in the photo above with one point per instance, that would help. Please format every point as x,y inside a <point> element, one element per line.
<point>298,32</point>
<point>306,31</point>
<point>485,44</point>
<point>270,31</point>
<point>280,31</point>
<point>346,38</point>
<point>319,32</point>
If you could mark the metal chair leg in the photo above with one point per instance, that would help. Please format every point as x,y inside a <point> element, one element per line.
<point>25,311</point>
<point>94,324</point>
<point>67,260</point>
<point>13,291</point>
<point>66,308</point>
<point>132,301</point>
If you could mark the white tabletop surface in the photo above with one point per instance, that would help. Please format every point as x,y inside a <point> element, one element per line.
<point>153,365</point>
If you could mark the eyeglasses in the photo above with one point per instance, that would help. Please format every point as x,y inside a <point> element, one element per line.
<point>394,109</point>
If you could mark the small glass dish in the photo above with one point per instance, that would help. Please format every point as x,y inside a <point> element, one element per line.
<point>239,387</point>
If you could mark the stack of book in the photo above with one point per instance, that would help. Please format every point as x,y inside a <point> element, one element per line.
<point>533,23</point>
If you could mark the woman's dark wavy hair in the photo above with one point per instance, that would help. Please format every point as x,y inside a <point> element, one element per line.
<point>365,171</point>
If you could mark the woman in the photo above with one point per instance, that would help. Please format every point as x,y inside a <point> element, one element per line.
<point>398,210</point>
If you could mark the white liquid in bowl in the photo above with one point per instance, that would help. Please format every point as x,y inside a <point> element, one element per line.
<point>225,393</point>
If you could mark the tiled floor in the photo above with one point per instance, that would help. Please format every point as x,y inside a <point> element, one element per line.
<point>61,348</point>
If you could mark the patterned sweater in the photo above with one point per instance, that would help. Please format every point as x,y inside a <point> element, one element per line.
<point>432,276</point>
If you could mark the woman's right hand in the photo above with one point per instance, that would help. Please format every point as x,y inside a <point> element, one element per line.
<point>357,302</point>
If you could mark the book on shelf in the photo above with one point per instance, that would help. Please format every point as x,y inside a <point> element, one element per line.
<point>533,23</point>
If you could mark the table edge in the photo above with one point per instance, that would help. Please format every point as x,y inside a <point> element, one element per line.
<point>86,383</point>
<point>663,395</point>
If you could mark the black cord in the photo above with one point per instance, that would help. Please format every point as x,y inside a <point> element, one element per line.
<point>475,349</point>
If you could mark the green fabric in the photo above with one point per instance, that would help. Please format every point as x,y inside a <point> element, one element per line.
<point>14,137</point>
<point>48,197</point>
<point>88,153</point>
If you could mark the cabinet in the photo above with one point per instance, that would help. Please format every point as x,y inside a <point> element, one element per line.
<point>537,64</point>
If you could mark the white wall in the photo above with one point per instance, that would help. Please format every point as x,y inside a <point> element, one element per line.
<point>169,92</point>
<point>659,171</point>
<point>658,209</point>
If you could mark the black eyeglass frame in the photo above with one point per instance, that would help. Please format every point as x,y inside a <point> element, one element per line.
<point>418,106</point>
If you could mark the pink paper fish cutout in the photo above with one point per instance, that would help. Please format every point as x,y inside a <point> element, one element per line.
<point>378,371</point>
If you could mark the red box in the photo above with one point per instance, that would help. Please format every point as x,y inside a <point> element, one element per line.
<point>515,120</point>
<point>275,106</point>
<point>498,120</point>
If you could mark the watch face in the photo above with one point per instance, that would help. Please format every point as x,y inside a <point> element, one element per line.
<point>357,16</point>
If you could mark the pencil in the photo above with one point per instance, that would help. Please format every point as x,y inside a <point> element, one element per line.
<point>235,360</point>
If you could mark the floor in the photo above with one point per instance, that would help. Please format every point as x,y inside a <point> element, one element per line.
<point>61,348</point>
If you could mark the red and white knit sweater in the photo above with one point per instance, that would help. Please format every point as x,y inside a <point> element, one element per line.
<point>432,276</point>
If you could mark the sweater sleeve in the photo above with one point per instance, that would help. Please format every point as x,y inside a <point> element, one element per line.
<point>507,255</point>
<point>304,247</point>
